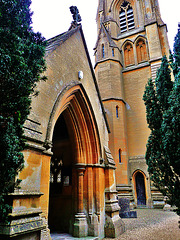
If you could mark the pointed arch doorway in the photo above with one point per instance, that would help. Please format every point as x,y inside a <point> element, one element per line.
<point>61,183</point>
<point>76,148</point>
<point>140,189</point>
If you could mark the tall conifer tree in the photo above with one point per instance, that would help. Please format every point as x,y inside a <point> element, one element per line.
<point>163,147</point>
<point>156,101</point>
<point>21,66</point>
<point>171,127</point>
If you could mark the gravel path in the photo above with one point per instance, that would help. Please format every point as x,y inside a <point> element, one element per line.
<point>151,224</point>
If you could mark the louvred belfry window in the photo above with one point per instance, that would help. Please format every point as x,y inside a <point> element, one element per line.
<point>126,17</point>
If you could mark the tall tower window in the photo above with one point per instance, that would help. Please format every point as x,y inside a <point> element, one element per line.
<point>126,17</point>
<point>128,54</point>
<point>141,51</point>
<point>103,53</point>
<point>117,111</point>
<point>113,52</point>
<point>120,158</point>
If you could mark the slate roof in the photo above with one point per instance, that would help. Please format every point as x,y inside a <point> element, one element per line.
<point>111,42</point>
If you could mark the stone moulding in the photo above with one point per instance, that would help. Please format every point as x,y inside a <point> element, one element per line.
<point>21,226</point>
<point>22,221</point>
<point>109,161</point>
<point>26,193</point>
<point>32,129</point>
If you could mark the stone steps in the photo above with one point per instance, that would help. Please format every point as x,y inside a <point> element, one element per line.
<point>142,206</point>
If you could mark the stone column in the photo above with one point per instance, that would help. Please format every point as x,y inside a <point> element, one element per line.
<point>114,226</point>
<point>80,221</point>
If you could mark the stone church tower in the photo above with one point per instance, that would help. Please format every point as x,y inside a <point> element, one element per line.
<point>132,39</point>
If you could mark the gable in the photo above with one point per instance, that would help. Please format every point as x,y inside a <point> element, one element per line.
<point>66,55</point>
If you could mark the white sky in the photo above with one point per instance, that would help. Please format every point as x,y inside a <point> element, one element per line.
<point>53,17</point>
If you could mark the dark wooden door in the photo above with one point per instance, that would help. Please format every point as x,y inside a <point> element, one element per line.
<point>140,189</point>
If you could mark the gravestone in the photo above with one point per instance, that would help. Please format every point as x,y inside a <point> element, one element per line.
<point>125,212</point>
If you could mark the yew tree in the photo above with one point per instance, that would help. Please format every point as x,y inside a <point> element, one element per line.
<point>21,66</point>
<point>162,100</point>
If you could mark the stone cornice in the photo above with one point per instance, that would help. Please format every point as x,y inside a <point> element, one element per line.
<point>135,67</point>
<point>106,60</point>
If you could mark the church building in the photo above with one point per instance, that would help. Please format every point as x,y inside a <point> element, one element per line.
<point>87,132</point>
<point>132,39</point>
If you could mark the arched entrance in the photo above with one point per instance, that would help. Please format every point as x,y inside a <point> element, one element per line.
<point>61,184</point>
<point>75,149</point>
<point>140,189</point>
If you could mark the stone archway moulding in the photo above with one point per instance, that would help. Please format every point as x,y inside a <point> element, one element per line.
<point>74,100</point>
<point>74,104</point>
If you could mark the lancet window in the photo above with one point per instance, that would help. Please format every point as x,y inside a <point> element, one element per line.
<point>126,17</point>
<point>141,51</point>
<point>103,52</point>
<point>120,159</point>
<point>113,52</point>
<point>128,54</point>
<point>117,111</point>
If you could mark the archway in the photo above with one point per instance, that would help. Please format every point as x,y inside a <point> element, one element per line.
<point>75,149</point>
<point>140,189</point>
<point>61,183</point>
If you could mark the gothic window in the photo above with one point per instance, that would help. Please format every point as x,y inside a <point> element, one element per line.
<point>117,111</point>
<point>126,17</point>
<point>141,51</point>
<point>103,53</point>
<point>56,170</point>
<point>128,54</point>
<point>113,52</point>
<point>120,159</point>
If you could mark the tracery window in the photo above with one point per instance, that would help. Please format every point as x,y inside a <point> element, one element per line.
<point>141,51</point>
<point>56,170</point>
<point>126,17</point>
<point>128,54</point>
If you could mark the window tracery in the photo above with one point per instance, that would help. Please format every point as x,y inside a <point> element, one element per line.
<point>126,17</point>
<point>55,171</point>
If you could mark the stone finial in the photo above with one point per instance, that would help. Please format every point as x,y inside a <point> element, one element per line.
<point>76,16</point>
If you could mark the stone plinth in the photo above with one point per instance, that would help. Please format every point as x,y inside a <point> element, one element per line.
<point>80,226</point>
<point>25,224</point>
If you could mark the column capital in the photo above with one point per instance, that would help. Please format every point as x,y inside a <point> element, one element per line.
<point>80,167</point>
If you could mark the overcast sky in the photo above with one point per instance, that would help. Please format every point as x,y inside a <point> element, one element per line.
<point>53,17</point>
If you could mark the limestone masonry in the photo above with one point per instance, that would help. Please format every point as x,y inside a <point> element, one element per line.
<point>87,131</point>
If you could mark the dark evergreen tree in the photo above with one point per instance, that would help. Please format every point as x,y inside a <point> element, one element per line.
<point>176,53</point>
<point>156,101</point>
<point>171,127</point>
<point>21,66</point>
<point>162,100</point>
<point>171,142</point>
